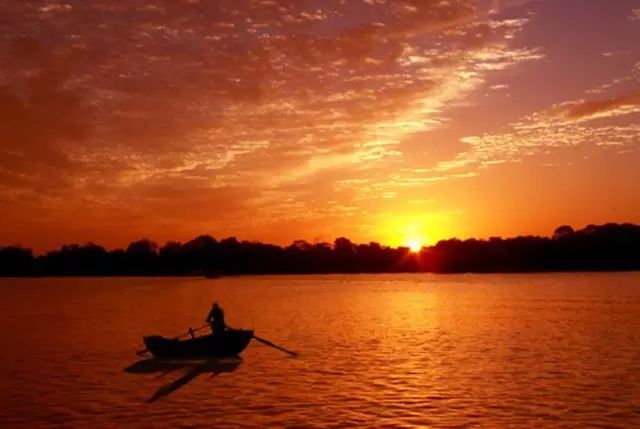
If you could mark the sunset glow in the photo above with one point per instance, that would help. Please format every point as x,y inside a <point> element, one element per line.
<point>414,245</point>
<point>319,213</point>
<point>375,120</point>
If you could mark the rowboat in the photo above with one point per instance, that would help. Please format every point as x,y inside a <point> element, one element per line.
<point>231,342</point>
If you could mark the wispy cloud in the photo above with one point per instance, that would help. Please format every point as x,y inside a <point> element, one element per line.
<point>210,111</point>
<point>568,124</point>
<point>585,110</point>
<point>158,88</point>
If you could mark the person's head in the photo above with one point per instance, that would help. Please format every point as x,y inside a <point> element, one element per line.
<point>215,305</point>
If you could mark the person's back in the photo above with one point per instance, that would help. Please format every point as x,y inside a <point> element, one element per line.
<point>216,319</point>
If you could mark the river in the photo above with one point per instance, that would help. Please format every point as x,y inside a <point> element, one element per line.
<point>409,350</point>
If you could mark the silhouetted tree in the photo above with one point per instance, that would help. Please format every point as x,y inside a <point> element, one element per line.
<point>142,256</point>
<point>562,232</point>
<point>15,261</point>
<point>172,259</point>
<point>202,254</point>
<point>344,254</point>
<point>605,247</point>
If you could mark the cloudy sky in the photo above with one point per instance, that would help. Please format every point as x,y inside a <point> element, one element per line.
<point>385,120</point>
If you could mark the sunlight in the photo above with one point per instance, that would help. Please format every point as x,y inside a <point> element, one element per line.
<point>414,244</point>
<point>414,230</point>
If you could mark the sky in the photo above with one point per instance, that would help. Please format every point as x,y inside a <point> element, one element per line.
<point>392,121</point>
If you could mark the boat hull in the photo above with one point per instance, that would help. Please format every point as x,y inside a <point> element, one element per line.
<point>228,343</point>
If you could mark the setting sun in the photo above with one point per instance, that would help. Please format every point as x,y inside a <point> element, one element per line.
<point>414,244</point>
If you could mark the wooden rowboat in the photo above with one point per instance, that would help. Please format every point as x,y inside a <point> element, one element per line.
<point>231,342</point>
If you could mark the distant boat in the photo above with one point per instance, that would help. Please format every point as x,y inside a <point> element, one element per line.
<point>228,343</point>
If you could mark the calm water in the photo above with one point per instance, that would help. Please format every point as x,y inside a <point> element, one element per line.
<point>558,350</point>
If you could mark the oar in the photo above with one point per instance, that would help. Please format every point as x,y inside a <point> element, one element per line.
<point>270,344</point>
<point>141,352</point>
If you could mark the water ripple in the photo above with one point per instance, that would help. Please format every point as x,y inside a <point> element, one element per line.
<point>380,351</point>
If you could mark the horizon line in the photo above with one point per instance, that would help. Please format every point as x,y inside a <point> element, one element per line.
<point>312,243</point>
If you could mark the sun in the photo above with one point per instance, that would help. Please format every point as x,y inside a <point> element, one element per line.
<point>414,244</point>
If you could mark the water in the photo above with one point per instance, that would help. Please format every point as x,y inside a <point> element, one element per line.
<point>554,350</point>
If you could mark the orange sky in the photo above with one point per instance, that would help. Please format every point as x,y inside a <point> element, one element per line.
<point>378,120</point>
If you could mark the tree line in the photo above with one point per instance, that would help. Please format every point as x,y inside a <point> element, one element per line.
<point>594,248</point>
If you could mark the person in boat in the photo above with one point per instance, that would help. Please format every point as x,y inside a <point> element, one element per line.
<point>216,319</point>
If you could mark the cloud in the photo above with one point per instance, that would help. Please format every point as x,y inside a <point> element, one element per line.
<point>41,121</point>
<point>593,109</point>
<point>564,125</point>
<point>112,100</point>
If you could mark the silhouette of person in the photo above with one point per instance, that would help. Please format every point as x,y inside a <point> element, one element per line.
<point>216,319</point>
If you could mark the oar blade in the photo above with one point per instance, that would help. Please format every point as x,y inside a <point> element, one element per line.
<point>275,346</point>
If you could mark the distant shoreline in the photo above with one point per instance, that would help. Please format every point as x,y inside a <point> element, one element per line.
<point>605,248</point>
<point>417,273</point>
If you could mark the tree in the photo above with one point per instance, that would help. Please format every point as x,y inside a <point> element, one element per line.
<point>563,232</point>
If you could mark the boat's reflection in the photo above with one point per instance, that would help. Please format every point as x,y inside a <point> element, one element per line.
<point>190,368</point>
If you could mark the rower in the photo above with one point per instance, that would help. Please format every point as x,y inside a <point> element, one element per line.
<point>216,319</point>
